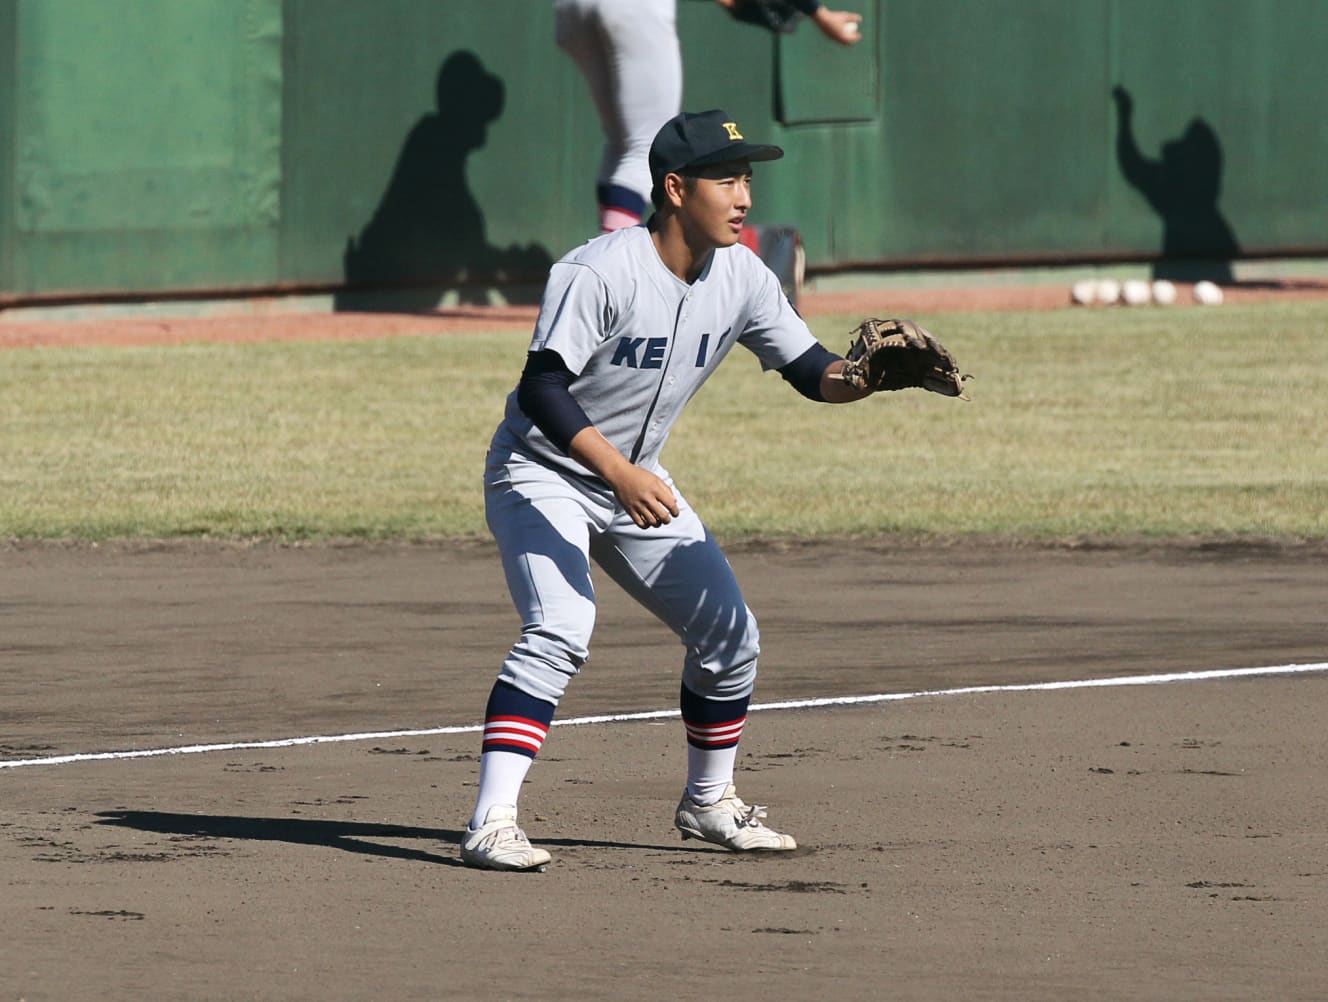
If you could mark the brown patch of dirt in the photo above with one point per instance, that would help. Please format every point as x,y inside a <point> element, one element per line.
<point>247,328</point>
<point>1158,841</point>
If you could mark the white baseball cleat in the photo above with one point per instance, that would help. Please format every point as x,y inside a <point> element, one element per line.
<point>730,823</point>
<point>499,844</point>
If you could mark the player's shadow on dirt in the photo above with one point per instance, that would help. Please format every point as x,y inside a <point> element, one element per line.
<point>350,836</point>
<point>427,238</point>
<point>1182,186</point>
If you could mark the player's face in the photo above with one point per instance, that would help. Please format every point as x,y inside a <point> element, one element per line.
<point>714,210</point>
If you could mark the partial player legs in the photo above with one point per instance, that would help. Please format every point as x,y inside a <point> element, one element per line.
<point>628,52</point>
<point>680,574</point>
<point>542,526</point>
<point>515,726</point>
<point>546,528</point>
<point>646,67</point>
<point>714,728</point>
<point>514,729</point>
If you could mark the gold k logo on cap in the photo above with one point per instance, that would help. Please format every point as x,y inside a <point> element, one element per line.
<point>732,129</point>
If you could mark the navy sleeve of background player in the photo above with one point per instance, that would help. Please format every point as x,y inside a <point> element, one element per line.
<point>804,372</point>
<point>545,397</point>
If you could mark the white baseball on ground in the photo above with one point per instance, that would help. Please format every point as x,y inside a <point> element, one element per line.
<point>1208,293</point>
<point>1136,292</point>
<point>1083,292</point>
<point>1164,292</point>
<point>1108,291</point>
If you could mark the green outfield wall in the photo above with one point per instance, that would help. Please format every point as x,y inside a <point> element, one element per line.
<point>199,146</point>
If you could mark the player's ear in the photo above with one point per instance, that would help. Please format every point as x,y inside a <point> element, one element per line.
<point>674,186</point>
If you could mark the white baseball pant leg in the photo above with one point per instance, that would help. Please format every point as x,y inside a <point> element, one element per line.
<point>629,54</point>
<point>547,527</point>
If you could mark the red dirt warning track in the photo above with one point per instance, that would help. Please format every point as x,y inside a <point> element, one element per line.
<point>266,320</point>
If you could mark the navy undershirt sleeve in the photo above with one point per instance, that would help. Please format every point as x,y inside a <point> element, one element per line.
<point>544,396</point>
<point>804,372</point>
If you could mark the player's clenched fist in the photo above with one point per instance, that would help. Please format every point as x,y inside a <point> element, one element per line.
<point>645,497</point>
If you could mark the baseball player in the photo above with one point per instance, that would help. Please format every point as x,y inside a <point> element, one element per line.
<point>631,324</point>
<point>628,53</point>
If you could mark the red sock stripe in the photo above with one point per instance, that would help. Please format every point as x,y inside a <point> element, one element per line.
<point>715,735</point>
<point>518,733</point>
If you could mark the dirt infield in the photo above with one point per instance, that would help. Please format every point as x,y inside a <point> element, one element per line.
<point>1143,841</point>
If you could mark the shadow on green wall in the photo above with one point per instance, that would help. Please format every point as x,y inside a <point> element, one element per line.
<point>427,237</point>
<point>1182,186</point>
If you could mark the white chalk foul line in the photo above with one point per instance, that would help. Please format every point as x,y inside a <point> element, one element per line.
<point>795,704</point>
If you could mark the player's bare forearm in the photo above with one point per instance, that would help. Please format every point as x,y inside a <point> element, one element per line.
<point>643,495</point>
<point>834,390</point>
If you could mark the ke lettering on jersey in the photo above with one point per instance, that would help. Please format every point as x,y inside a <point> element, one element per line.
<point>650,352</point>
<point>641,352</point>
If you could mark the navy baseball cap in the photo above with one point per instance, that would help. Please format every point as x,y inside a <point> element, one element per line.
<point>699,139</point>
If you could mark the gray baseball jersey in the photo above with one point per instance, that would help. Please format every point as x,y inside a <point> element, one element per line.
<point>641,341</point>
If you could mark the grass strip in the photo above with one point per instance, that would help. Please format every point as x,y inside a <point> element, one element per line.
<point>1181,423</point>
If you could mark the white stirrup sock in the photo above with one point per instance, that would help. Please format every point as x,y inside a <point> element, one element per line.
<point>501,776</point>
<point>709,772</point>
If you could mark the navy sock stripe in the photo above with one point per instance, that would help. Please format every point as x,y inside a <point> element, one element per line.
<point>615,196</point>
<point>507,700</point>
<point>515,722</point>
<point>712,723</point>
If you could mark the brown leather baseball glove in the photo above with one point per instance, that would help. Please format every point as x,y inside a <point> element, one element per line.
<point>898,354</point>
